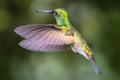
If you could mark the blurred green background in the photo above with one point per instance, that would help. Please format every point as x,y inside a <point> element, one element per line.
<point>97,20</point>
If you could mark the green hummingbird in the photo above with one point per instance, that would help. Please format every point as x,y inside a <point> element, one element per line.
<point>55,37</point>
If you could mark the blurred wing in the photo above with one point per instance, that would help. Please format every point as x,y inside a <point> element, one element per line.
<point>46,35</point>
<point>36,45</point>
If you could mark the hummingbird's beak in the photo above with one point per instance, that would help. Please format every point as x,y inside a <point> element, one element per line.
<point>46,11</point>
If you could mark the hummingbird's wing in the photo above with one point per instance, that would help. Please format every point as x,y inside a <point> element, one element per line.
<point>46,38</point>
<point>36,45</point>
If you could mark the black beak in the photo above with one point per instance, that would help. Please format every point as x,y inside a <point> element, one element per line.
<point>46,11</point>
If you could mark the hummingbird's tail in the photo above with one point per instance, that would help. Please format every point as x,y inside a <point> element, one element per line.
<point>91,58</point>
<point>96,68</point>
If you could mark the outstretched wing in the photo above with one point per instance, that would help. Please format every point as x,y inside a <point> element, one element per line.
<point>45,38</point>
<point>36,45</point>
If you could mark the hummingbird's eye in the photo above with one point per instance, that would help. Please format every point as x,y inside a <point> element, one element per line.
<point>55,13</point>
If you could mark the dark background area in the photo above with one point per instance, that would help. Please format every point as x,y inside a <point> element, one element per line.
<point>97,20</point>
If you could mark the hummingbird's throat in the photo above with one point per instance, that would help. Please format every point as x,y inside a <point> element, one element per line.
<point>63,21</point>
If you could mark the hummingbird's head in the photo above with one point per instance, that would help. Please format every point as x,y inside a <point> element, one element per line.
<point>60,15</point>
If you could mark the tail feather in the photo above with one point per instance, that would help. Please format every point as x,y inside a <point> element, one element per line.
<point>96,68</point>
<point>91,58</point>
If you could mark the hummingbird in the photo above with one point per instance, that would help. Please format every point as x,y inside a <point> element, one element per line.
<point>55,37</point>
